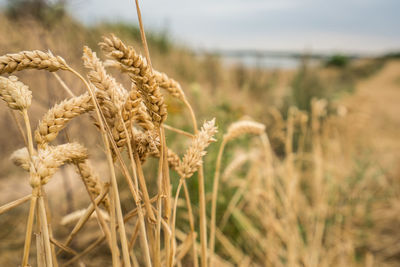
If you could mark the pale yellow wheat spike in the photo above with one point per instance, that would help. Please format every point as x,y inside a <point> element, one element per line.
<point>92,181</point>
<point>170,85</point>
<point>134,111</point>
<point>193,156</point>
<point>49,159</point>
<point>52,157</point>
<point>146,143</point>
<point>57,117</point>
<point>164,82</point>
<point>110,94</point>
<point>16,94</point>
<point>135,108</point>
<point>31,60</point>
<point>140,73</point>
<point>20,158</point>
<point>239,128</point>
<point>173,159</point>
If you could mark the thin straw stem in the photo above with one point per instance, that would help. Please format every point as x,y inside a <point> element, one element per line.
<point>35,191</point>
<point>45,232</point>
<point>15,203</point>
<point>174,211</point>
<point>86,251</point>
<point>19,126</point>
<point>85,217</point>
<point>63,247</point>
<point>191,223</point>
<point>179,131</point>
<point>166,184</point>
<point>157,255</point>
<point>63,84</point>
<point>28,233</point>
<point>214,200</point>
<point>143,35</point>
<point>29,132</point>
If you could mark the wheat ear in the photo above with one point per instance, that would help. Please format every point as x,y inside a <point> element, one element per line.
<point>16,94</point>
<point>193,156</point>
<point>169,85</point>
<point>92,181</point>
<point>57,117</point>
<point>111,95</point>
<point>52,157</point>
<point>140,73</point>
<point>133,110</point>
<point>146,143</point>
<point>239,128</point>
<point>164,82</point>
<point>21,158</point>
<point>48,160</point>
<point>31,60</point>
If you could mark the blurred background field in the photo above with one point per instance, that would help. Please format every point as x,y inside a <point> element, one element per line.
<point>332,119</point>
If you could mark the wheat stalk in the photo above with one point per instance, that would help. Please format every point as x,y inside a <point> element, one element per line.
<point>76,215</point>
<point>92,181</point>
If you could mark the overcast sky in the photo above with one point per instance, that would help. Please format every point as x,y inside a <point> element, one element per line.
<point>317,25</point>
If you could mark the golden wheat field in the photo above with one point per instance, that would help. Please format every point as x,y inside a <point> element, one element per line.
<point>120,147</point>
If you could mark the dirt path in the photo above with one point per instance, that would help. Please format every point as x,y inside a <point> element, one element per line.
<point>376,105</point>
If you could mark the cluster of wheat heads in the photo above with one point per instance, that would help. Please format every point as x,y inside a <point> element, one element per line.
<point>130,121</point>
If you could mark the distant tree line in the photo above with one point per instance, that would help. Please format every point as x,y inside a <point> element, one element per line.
<point>43,10</point>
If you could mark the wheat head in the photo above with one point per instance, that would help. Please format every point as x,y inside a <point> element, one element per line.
<point>140,73</point>
<point>16,94</point>
<point>31,60</point>
<point>57,117</point>
<point>193,156</point>
<point>239,128</point>
<point>92,181</point>
<point>110,94</point>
